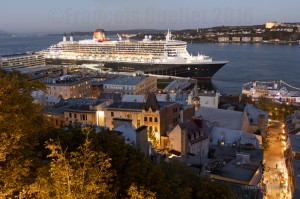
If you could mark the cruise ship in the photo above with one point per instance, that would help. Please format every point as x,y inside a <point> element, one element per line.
<point>168,57</point>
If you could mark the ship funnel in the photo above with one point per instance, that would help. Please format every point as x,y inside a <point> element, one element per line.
<point>71,37</point>
<point>99,35</point>
<point>65,38</point>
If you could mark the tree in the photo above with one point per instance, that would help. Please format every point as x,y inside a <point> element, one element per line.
<point>84,173</point>
<point>21,121</point>
<point>141,193</point>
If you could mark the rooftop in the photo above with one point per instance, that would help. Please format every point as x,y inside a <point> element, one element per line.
<point>197,129</point>
<point>230,137</point>
<point>136,105</point>
<point>256,155</point>
<point>254,113</point>
<point>125,80</point>
<point>71,104</point>
<point>66,80</point>
<point>35,69</point>
<point>223,118</point>
<point>235,171</point>
<point>295,142</point>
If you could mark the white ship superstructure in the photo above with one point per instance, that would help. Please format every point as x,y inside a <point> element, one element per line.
<point>133,54</point>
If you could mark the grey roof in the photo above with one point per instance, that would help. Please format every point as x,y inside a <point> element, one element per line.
<point>256,155</point>
<point>237,171</point>
<point>133,98</point>
<point>197,129</point>
<point>295,142</point>
<point>85,105</point>
<point>35,69</point>
<point>125,80</point>
<point>254,113</point>
<point>152,102</point>
<point>70,104</point>
<point>116,97</point>
<point>229,136</point>
<point>223,118</point>
<point>136,105</point>
<point>71,81</point>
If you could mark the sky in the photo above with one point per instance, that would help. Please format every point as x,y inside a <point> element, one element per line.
<point>51,16</point>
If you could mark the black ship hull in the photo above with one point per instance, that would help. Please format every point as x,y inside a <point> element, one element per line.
<point>203,71</point>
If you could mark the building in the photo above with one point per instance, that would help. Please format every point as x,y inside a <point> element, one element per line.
<point>236,39</point>
<point>240,168</point>
<point>44,99</point>
<point>136,137</point>
<point>207,99</point>
<point>75,111</point>
<point>246,39</point>
<point>157,116</point>
<point>134,85</point>
<point>190,137</point>
<point>225,118</point>
<point>69,87</point>
<point>223,39</point>
<point>293,163</point>
<point>41,73</point>
<point>234,138</point>
<point>257,39</point>
<point>270,25</point>
<point>87,111</point>
<point>292,123</point>
<point>24,60</point>
<point>124,127</point>
<point>258,119</point>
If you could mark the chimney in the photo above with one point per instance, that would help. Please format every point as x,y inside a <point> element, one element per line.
<point>142,139</point>
<point>71,37</point>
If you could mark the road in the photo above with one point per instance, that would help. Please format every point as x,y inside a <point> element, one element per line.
<point>275,175</point>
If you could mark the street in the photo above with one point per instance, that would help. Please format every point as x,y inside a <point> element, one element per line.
<point>276,175</point>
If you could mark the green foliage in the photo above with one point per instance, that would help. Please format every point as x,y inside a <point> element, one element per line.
<point>141,193</point>
<point>83,173</point>
<point>153,139</point>
<point>21,122</point>
<point>276,111</point>
<point>182,182</point>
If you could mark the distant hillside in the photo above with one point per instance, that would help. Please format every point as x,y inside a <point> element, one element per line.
<point>113,32</point>
<point>2,32</point>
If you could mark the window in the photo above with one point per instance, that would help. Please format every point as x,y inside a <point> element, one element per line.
<point>155,119</point>
<point>75,115</point>
<point>138,123</point>
<point>145,119</point>
<point>150,119</point>
<point>155,129</point>
<point>70,115</point>
<point>112,114</point>
<point>83,117</point>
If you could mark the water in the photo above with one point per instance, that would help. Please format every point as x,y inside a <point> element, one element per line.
<point>247,62</point>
